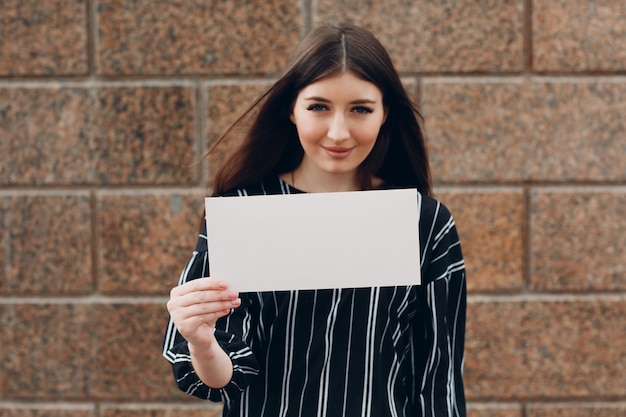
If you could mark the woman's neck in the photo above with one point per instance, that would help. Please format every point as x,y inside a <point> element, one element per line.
<point>321,182</point>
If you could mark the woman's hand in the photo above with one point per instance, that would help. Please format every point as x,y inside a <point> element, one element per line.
<point>195,307</point>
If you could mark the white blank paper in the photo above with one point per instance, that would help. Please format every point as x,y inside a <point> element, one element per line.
<point>315,240</point>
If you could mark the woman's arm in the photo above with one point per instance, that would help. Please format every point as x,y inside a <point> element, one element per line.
<point>216,362</point>
<point>444,315</point>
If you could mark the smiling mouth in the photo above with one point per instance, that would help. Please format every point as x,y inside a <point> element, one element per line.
<point>337,152</point>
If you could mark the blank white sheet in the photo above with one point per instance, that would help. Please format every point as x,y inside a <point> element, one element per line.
<point>315,240</point>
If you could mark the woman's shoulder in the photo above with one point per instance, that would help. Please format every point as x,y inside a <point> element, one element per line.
<point>267,186</point>
<point>433,213</point>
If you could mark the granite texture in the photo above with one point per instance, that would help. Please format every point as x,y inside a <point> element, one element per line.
<point>206,410</point>
<point>34,411</point>
<point>196,37</point>
<point>578,240</point>
<point>491,228</point>
<point>108,135</point>
<point>442,36</point>
<point>546,349</point>
<point>128,364</point>
<point>497,410</point>
<point>43,37</point>
<point>6,321</point>
<point>579,35</point>
<point>145,135</point>
<point>4,244</point>
<point>85,352</point>
<point>45,136</point>
<point>498,131</point>
<point>226,103</point>
<point>606,409</point>
<point>47,351</point>
<point>48,245</point>
<point>146,240</point>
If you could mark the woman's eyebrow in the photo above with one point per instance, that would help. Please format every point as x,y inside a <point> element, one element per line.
<point>325,100</point>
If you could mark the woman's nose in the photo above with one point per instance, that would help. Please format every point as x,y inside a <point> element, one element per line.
<point>338,129</point>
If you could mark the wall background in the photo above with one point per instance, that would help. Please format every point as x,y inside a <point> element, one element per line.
<point>105,106</point>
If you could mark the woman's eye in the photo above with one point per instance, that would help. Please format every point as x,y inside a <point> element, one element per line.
<point>316,107</point>
<point>362,110</point>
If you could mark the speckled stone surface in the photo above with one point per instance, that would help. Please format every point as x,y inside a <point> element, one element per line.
<point>129,341</point>
<point>204,410</point>
<point>4,244</point>
<point>146,240</point>
<point>518,131</point>
<point>225,104</point>
<point>145,135</point>
<point>578,240</point>
<point>45,136</point>
<point>92,352</point>
<point>606,409</point>
<point>196,37</point>
<point>49,245</point>
<point>6,321</point>
<point>48,351</point>
<point>108,135</point>
<point>497,410</point>
<point>34,411</point>
<point>442,36</point>
<point>579,35</point>
<point>490,225</point>
<point>546,350</point>
<point>43,37</point>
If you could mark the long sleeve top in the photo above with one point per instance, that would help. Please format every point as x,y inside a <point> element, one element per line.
<point>370,352</point>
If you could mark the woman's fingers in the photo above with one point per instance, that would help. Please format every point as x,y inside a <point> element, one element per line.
<point>187,310</point>
<point>200,284</point>
<point>203,290</point>
<point>198,304</point>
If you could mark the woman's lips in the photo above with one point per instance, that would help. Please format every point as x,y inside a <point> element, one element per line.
<point>337,152</point>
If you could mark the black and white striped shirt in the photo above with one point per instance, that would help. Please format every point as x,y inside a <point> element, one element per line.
<point>365,352</point>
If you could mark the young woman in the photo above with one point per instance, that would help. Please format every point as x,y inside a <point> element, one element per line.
<point>338,119</point>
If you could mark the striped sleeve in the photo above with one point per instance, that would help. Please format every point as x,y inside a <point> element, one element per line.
<point>230,334</point>
<point>443,314</point>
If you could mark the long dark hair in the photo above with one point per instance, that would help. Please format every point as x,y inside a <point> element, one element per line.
<point>271,146</point>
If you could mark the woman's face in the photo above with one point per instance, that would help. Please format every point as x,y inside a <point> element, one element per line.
<point>338,120</point>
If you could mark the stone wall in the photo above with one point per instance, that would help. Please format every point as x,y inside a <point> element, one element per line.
<point>106,107</point>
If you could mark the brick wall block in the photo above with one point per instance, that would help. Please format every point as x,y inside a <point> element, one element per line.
<point>34,411</point>
<point>526,130</point>
<point>47,351</point>
<point>128,364</point>
<point>43,37</point>
<point>196,37</point>
<point>146,240</point>
<point>92,352</point>
<point>495,410</point>
<point>546,349</point>
<point>577,410</point>
<point>47,247</point>
<point>578,240</point>
<point>108,135</point>
<point>145,135</point>
<point>45,136</point>
<point>205,409</point>
<point>490,225</point>
<point>579,35</point>
<point>443,36</point>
